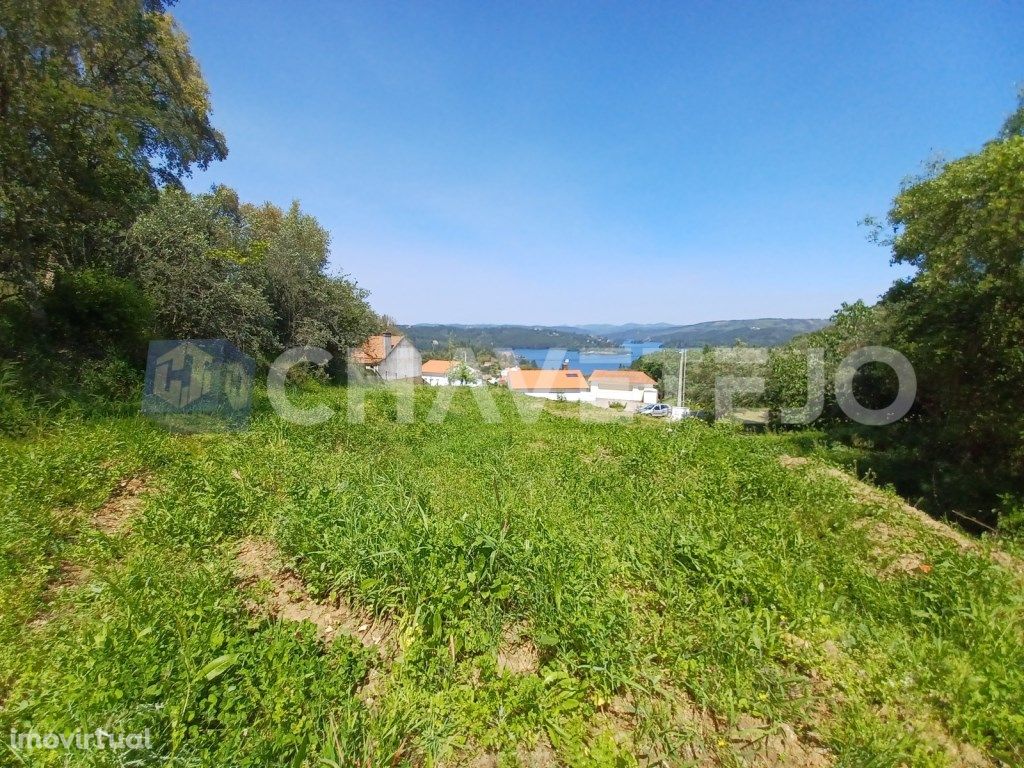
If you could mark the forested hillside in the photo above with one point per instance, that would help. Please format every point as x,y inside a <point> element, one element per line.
<point>429,336</point>
<point>761,332</point>
<point>765,331</point>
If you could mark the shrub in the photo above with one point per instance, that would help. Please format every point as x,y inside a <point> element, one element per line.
<point>20,411</point>
<point>98,311</point>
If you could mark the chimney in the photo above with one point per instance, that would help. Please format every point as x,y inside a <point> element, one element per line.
<point>565,364</point>
<point>387,343</point>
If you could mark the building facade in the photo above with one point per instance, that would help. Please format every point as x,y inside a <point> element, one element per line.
<point>391,356</point>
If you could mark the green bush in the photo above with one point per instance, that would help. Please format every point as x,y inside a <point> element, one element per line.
<point>96,310</point>
<point>110,379</point>
<point>19,411</point>
<point>17,331</point>
<point>1011,517</point>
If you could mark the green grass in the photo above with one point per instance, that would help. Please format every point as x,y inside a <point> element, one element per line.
<point>679,566</point>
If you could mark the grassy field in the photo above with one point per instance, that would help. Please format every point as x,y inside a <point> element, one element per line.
<point>464,593</point>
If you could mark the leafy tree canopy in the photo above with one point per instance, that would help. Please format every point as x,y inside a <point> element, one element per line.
<point>101,103</point>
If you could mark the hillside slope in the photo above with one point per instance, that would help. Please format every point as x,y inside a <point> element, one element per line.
<point>762,332</point>
<point>759,332</point>
<point>566,592</point>
<point>428,337</point>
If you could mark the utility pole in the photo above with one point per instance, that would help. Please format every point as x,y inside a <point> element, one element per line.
<point>684,376</point>
<point>679,381</point>
<point>681,394</point>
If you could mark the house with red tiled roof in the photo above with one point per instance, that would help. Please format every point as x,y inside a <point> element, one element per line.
<point>391,356</point>
<point>439,373</point>
<point>622,386</point>
<point>552,385</point>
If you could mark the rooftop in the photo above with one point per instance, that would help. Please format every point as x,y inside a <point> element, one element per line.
<point>633,378</point>
<point>372,350</point>
<point>437,367</point>
<point>547,381</point>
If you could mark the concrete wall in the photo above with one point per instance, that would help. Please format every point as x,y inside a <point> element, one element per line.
<point>404,362</point>
<point>634,395</point>
<point>443,381</point>
<point>570,397</point>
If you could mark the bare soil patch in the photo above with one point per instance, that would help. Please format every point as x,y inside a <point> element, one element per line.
<point>259,561</point>
<point>541,755</point>
<point>760,744</point>
<point>68,576</point>
<point>931,730</point>
<point>483,760</point>
<point>124,502</point>
<point>920,720</point>
<point>517,654</point>
<point>675,729</point>
<point>889,549</point>
<point>694,735</point>
<point>600,455</point>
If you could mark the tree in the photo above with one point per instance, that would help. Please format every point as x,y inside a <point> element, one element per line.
<point>101,103</point>
<point>960,318</point>
<point>311,306</point>
<point>851,327</point>
<point>253,275</point>
<point>461,373</point>
<point>1014,125</point>
<point>193,256</point>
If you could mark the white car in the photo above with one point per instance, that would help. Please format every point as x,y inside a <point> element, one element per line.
<point>655,410</point>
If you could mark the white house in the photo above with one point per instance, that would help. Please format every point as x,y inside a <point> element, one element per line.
<point>608,387</point>
<point>552,385</point>
<point>391,356</point>
<point>436,373</point>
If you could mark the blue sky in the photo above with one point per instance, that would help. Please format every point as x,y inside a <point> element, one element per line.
<point>558,162</point>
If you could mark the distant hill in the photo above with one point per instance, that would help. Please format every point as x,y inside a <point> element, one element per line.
<point>427,336</point>
<point>608,330</point>
<point>763,332</point>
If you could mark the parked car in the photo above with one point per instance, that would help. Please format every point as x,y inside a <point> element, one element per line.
<point>656,410</point>
<point>645,408</point>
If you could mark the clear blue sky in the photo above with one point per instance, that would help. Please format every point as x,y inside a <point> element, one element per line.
<point>560,162</point>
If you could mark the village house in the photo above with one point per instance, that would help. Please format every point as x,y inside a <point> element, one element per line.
<point>624,386</point>
<point>553,385</point>
<point>391,356</point>
<point>438,373</point>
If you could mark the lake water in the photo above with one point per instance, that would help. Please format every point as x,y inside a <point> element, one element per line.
<point>586,362</point>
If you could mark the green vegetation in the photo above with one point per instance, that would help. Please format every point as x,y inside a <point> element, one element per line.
<point>763,332</point>
<point>586,591</point>
<point>959,320</point>
<point>489,337</point>
<point>103,112</point>
<point>666,585</point>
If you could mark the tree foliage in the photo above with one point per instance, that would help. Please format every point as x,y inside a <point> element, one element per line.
<point>103,112</point>
<point>190,253</point>
<point>253,275</point>
<point>1014,125</point>
<point>100,104</point>
<point>311,306</point>
<point>960,318</point>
